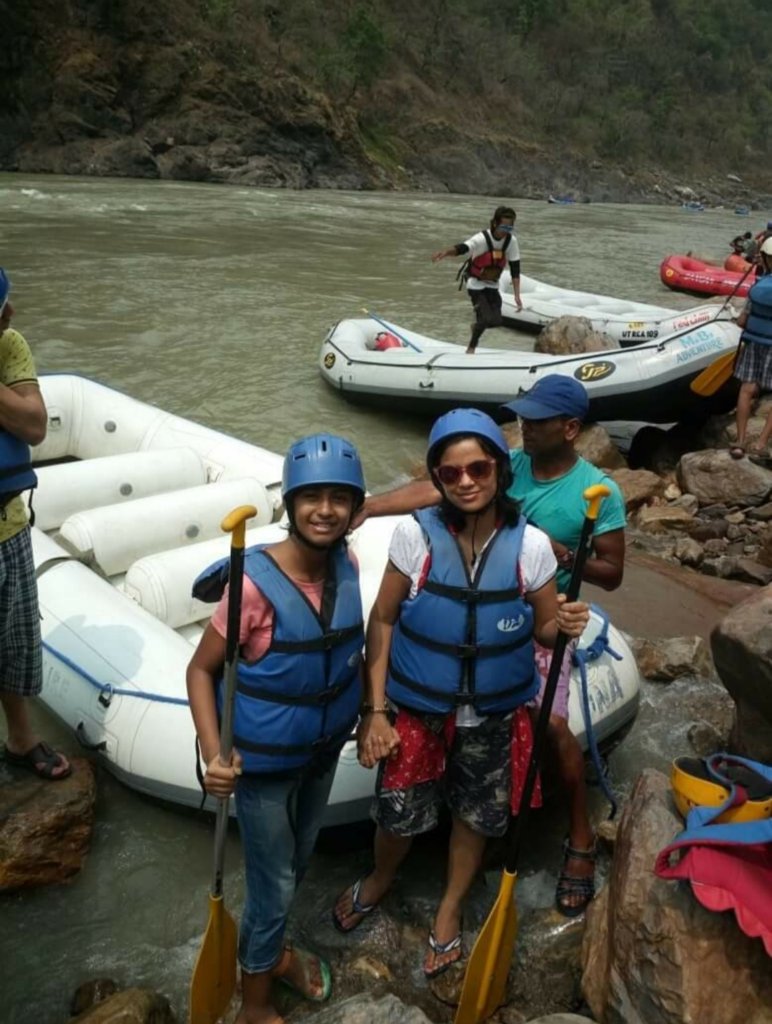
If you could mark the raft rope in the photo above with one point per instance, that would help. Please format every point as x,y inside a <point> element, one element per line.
<point>107,690</point>
<point>581,657</point>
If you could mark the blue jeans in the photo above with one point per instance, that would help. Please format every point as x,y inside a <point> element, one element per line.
<point>279,821</point>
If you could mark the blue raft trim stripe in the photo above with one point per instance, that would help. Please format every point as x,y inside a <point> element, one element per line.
<point>117,691</point>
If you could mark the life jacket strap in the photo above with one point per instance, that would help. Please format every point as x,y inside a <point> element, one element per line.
<point>322,745</point>
<point>309,700</point>
<point>458,699</point>
<point>463,650</point>
<point>470,595</point>
<point>326,642</point>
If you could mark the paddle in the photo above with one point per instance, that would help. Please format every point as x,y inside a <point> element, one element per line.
<point>393,330</point>
<point>718,373</point>
<point>214,976</point>
<point>486,973</point>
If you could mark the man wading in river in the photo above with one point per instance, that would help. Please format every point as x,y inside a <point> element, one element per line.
<point>487,252</point>
<point>549,482</point>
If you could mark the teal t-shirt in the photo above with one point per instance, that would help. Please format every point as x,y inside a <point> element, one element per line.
<point>557,506</point>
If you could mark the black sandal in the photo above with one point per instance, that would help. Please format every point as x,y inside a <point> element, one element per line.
<point>571,887</point>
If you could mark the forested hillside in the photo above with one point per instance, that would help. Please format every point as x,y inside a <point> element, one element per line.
<point>609,98</point>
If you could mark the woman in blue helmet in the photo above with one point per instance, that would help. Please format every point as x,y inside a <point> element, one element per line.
<point>450,668</point>
<point>297,700</point>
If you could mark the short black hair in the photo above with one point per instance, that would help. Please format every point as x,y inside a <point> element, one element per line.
<point>501,212</point>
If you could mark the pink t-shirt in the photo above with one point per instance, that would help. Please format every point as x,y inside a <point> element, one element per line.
<point>257,614</point>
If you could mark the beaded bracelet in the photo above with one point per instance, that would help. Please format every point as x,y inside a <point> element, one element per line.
<point>374,709</point>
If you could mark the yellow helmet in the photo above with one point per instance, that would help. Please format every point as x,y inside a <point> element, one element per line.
<point>694,786</point>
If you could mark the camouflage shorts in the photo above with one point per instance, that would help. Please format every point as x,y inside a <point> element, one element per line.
<point>475,783</point>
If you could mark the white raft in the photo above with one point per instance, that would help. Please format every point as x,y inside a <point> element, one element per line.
<point>647,382</point>
<point>122,533</point>
<point>626,322</point>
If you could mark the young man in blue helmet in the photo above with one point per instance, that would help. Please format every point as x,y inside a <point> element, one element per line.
<point>297,700</point>
<point>549,482</point>
<point>23,421</point>
<point>487,254</point>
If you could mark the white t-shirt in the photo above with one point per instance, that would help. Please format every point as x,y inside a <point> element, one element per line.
<point>478,246</point>
<point>409,552</point>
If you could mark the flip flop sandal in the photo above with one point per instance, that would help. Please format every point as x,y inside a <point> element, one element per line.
<point>571,887</point>
<point>442,949</point>
<point>356,908</point>
<point>309,961</point>
<point>42,760</point>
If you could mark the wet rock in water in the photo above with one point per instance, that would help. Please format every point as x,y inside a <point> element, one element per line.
<point>660,518</point>
<point>742,651</point>
<point>561,1018</point>
<point>371,967</point>
<point>90,993</point>
<point>546,970</point>
<point>689,551</point>
<point>45,827</point>
<point>651,951</point>
<point>131,1006</point>
<point>722,566</point>
<point>750,571</point>
<point>638,486</point>
<point>364,1009</point>
<point>714,476</point>
<point>672,658</point>
<point>569,334</point>
<point>705,739</point>
<point>595,445</point>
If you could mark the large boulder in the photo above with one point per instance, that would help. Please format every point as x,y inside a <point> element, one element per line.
<point>638,486</point>
<point>595,445</point>
<point>45,827</point>
<point>652,954</point>
<point>364,1009</point>
<point>742,651</point>
<point>131,1006</point>
<point>714,477</point>
<point>570,334</point>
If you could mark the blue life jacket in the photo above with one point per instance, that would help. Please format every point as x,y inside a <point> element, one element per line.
<point>300,700</point>
<point>16,472</point>
<point>759,325</point>
<point>464,641</point>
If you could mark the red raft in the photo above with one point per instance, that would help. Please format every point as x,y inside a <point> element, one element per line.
<point>686,274</point>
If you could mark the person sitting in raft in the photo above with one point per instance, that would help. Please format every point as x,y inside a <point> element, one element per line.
<point>450,668</point>
<point>302,636</point>
<point>487,252</point>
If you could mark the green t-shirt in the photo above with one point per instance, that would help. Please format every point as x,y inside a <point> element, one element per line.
<point>16,367</point>
<point>557,506</point>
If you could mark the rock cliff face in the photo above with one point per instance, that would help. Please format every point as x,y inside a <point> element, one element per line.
<point>162,90</point>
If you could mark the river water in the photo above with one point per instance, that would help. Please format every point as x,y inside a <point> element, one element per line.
<point>212,302</point>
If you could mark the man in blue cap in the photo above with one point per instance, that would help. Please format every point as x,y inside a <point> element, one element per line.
<point>23,421</point>
<point>550,480</point>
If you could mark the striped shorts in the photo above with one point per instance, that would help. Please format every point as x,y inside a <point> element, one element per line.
<point>21,670</point>
<point>754,364</point>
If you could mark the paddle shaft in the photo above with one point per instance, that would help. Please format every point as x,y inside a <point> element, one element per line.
<point>542,722</point>
<point>235,524</point>
<point>395,332</point>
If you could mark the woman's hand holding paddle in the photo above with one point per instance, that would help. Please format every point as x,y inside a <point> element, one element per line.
<point>572,616</point>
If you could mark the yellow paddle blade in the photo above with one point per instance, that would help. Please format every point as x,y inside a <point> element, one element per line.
<point>714,376</point>
<point>485,982</point>
<point>214,976</point>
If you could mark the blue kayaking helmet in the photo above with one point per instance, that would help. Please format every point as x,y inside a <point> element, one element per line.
<point>5,288</point>
<point>323,459</point>
<point>465,422</point>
